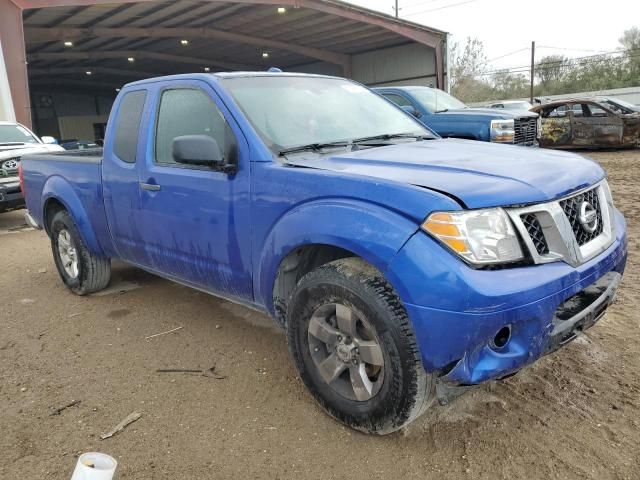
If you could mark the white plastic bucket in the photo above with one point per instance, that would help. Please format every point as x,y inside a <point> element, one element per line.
<point>94,466</point>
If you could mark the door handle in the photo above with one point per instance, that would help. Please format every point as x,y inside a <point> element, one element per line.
<point>152,187</point>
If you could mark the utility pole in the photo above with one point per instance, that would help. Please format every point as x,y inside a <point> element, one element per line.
<point>533,68</point>
<point>447,57</point>
<point>397,10</point>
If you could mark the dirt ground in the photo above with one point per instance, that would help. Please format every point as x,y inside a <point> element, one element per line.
<point>575,414</point>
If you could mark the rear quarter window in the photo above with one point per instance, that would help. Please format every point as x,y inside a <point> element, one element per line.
<point>125,142</point>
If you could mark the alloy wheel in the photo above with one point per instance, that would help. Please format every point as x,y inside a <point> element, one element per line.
<point>346,351</point>
<point>68,253</point>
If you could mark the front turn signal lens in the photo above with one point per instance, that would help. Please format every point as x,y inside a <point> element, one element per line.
<point>480,237</point>
<point>444,228</point>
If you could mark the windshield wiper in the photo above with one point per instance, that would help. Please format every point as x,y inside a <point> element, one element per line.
<point>10,144</point>
<point>312,147</point>
<point>343,143</point>
<point>391,136</point>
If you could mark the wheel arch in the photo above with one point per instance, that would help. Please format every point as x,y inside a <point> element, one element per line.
<point>58,195</point>
<point>295,265</point>
<point>315,234</point>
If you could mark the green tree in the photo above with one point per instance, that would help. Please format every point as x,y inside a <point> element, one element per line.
<point>468,63</point>
<point>630,41</point>
<point>555,74</point>
<point>509,85</point>
<point>551,71</point>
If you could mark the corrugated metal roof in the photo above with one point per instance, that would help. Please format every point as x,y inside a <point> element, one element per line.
<point>103,38</point>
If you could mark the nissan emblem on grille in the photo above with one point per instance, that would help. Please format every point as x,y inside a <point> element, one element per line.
<point>588,217</point>
<point>580,211</point>
<point>573,229</point>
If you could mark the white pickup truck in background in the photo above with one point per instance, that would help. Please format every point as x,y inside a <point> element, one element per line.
<point>15,141</point>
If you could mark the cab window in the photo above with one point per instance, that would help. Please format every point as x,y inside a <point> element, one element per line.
<point>187,111</point>
<point>125,144</point>
<point>596,111</point>
<point>556,112</point>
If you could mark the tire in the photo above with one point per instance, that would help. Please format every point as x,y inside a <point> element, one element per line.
<point>91,273</point>
<point>380,399</point>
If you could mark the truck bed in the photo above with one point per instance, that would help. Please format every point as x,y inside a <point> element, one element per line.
<point>89,155</point>
<point>73,178</point>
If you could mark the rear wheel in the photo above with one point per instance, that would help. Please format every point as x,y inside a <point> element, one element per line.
<point>355,348</point>
<point>82,271</point>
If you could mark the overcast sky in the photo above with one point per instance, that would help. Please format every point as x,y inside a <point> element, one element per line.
<point>573,27</point>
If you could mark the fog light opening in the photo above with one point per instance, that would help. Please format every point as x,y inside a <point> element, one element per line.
<point>501,339</point>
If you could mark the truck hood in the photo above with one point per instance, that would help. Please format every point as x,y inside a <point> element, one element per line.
<point>476,174</point>
<point>489,113</point>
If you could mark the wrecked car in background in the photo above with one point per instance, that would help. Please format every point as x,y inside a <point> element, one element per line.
<point>589,123</point>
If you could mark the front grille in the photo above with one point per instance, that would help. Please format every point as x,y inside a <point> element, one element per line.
<point>534,228</point>
<point>552,231</point>
<point>526,131</point>
<point>571,208</point>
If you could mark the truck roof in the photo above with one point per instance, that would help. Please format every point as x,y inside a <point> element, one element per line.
<point>223,75</point>
<point>406,88</point>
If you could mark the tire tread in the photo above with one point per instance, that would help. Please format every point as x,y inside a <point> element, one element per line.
<point>420,392</point>
<point>95,271</point>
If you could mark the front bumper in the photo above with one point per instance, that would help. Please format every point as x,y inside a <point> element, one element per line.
<point>11,201</point>
<point>10,195</point>
<point>457,311</point>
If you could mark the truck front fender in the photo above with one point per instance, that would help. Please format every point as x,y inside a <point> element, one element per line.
<point>369,231</point>
<point>59,189</point>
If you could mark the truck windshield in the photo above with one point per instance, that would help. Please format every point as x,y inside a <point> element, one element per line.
<point>292,111</point>
<point>15,134</point>
<point>434,100</point>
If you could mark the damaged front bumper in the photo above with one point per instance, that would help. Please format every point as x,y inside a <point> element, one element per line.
<point>571,318</point>
<point>508,318</point>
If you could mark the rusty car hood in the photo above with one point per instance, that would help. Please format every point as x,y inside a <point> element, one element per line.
<point>477,174</point>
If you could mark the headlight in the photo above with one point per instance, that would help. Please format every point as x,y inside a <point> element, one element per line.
<point>503,131</point>
<point>480,237</point>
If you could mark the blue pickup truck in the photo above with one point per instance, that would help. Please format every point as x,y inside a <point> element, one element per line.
<point>404,267</point>
<point>450,118</point>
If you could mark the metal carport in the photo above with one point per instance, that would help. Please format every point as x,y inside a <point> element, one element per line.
<point>99,45</point>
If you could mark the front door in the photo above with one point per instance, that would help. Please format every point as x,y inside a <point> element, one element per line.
<point>556,126</point>
<point>595,127</point>
<point>195,221</point>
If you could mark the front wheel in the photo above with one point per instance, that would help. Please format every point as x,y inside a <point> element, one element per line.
<point>82,271</point>
<point>355,348</point>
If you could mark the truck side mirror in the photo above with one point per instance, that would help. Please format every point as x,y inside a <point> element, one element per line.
<point>197,150</point>
<point>49,140</point>
<point>411,110</point>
